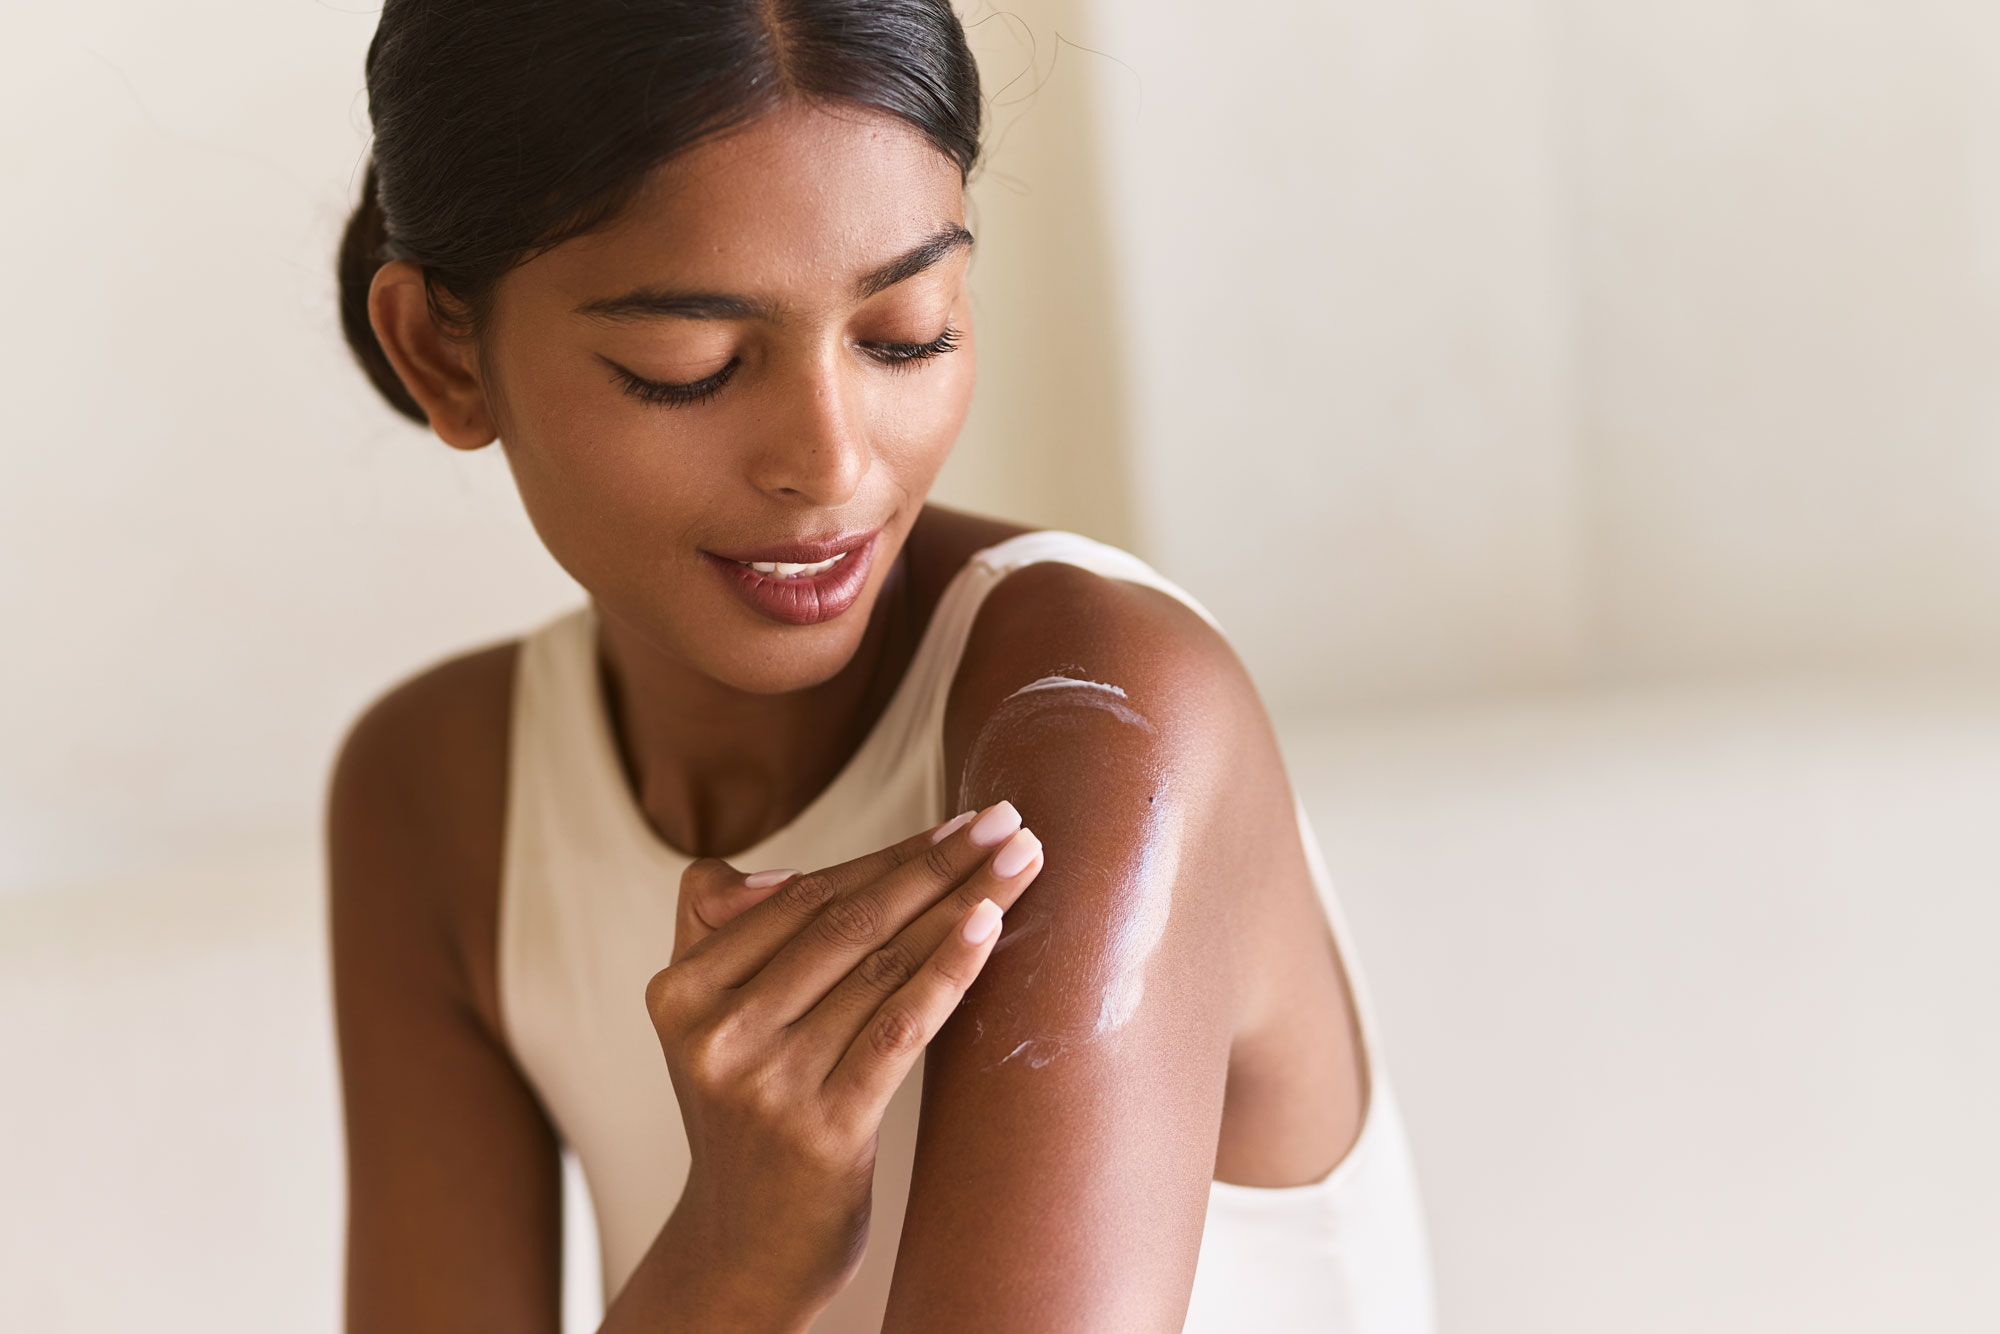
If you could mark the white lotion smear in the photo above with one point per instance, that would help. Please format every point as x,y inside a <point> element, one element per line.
<point>1144,885</point>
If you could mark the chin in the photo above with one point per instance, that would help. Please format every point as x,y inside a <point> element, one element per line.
<point>767,664</point>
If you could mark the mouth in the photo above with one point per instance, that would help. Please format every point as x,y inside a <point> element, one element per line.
<point>788,570</point>
<point>804,552</point>
<point>799,583</point>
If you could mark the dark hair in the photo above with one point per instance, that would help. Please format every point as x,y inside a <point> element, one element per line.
<point>505,127</point>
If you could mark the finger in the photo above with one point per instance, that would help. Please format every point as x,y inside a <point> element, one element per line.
<point>771,930</point>
<point>731,958</point>
<point>851,875</point>
<point>884,1051</point>
<point>712,894</point>
<point>803,969</point>
<point>831,1025</point>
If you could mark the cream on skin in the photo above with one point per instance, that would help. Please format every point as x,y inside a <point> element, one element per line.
<point>1039,715</point>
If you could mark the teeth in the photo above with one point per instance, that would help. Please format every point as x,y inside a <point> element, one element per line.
<point>787,570</point>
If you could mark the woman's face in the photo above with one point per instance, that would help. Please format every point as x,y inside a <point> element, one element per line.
<point>764,360</point>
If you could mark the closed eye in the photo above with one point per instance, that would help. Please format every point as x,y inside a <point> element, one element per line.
<point>667,394</point>
<point>663,393</point>
<point>901,355</point>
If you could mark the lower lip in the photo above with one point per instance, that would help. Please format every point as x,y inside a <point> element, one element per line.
<point>805,600</point>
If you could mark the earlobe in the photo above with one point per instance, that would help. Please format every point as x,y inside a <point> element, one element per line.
<point>436,368</point>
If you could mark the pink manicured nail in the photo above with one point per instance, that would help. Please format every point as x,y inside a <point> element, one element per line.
<point>1013,859</point>
<point>951,826</point>
<point>982,922</point>
<point>766,879</point>
<point>998,822</point>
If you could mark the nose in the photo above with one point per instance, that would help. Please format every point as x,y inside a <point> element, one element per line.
<point>817,449</point>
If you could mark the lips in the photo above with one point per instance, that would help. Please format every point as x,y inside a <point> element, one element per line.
<point>798,553</point>
<point>798,583</point>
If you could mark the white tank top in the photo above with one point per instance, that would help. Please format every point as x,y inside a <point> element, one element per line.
<point>587,902</point>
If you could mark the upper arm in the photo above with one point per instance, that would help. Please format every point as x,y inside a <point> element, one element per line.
<point>1071,1106</point>
<point>453,1173</point>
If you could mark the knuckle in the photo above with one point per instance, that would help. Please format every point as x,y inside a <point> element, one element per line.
<point>663,994</point>
<point>887,968</point>
<point>709,1053</point>
<point>850,921</point>
<point>805,895</point>
<point>702,873</point>
<point>940,865</point>
<point>956,974</point>
<point>896,1033</point>
<point>967,896</point>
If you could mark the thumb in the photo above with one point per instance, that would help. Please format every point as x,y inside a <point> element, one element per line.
<point>713,894</point>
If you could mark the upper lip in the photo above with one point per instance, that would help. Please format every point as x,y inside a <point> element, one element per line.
<point>805,551</point>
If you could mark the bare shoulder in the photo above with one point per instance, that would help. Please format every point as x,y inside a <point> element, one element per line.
<point>416,809</point>
<point>1053,622</point>
<point>1124,726</point>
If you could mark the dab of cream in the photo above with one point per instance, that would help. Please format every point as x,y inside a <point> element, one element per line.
<point>1059,682</point>
<point>1020,709</point>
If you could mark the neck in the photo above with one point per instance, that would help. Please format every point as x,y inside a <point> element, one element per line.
<point>716,770</point>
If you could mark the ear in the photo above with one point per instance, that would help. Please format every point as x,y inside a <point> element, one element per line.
<point>437,368</point>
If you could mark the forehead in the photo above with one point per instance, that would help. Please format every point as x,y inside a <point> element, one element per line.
<point>796,204</point>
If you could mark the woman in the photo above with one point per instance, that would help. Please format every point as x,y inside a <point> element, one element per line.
<point>700,268</point>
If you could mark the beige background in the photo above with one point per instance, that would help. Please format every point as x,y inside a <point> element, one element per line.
<point>1582,416</point>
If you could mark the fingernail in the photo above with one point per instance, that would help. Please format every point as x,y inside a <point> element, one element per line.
<point>982,922</point>
<point>951,826</point>
<point>1013,859</point>
<point>998,822</point>
<point>766,879</point>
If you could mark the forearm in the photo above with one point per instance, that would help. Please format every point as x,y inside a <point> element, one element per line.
<point>687,1282</point>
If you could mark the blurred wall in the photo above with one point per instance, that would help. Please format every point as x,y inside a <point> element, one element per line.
<point>1345,272</point>
<point>1787,240</point>
<point>1047,439</point>
<point>214,544</point>
<point>1477,345</point>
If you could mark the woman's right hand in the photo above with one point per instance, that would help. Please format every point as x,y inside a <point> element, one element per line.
<point>790,1013</point>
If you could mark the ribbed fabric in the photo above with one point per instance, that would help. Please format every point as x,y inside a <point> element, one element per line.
<point>587,917</point>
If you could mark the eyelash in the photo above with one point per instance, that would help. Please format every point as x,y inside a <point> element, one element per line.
<point>895,356</point>
<point>673,395</point>
<point>898,356</point>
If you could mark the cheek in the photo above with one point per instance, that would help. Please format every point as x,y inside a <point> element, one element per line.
<point>562,408</point>
<point>918,416</point>
<point>607,484</point>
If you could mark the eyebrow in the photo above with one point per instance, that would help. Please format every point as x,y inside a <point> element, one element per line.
<point>646,303</point>
<point>915,261</point>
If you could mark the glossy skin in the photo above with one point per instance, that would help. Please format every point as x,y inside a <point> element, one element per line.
<point>1164,1005</point>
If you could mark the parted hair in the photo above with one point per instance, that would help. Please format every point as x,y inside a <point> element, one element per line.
<point>505,127</point>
